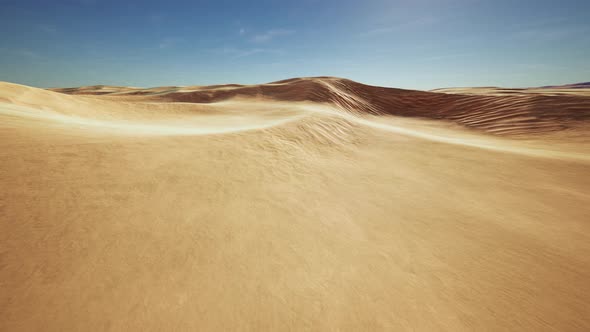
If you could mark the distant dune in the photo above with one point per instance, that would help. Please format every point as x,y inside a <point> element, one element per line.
<point>311,204</point>
<point>491,110</point>
<point>584,85</point>
<point>578,89</point>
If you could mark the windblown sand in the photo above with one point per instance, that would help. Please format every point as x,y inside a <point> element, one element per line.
<point>311,204</point>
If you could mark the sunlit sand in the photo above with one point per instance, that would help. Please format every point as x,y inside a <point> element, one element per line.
<point>304,204</point>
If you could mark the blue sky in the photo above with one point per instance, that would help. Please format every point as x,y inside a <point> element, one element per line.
<point>421,44</point>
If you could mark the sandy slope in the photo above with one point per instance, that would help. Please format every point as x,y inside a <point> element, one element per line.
<point>582,89</point>
<point>305,204</point>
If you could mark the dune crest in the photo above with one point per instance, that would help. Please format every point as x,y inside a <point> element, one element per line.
<point>526,112</point>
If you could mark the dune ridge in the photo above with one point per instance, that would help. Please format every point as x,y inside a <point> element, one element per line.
<point>520,114</point>
<point>156,110</point>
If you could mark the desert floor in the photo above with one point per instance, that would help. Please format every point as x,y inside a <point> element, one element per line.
<point>311,204</point>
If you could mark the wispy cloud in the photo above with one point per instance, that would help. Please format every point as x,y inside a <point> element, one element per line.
<point>155,19</point>
<point>551,33</point>
<point>242,31</point>
<point>169,42</point>
<point>23,54</point>
<point>47,28</point>
<point>29,54</point>
<point>447,56</point>
<point>379,31</point>
<point>245,52</point>
<point>271,34</point>
<point>401,27</point>
<point>549,29</point>
<point>540,66</point>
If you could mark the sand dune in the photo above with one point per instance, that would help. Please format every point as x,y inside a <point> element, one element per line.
<point>580,89</point>
<point>303,204</point>
<point>524,112</point>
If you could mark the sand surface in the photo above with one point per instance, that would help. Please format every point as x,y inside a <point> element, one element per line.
<point>312,204</point>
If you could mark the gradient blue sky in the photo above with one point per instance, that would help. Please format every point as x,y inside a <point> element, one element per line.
<point>420,44</point>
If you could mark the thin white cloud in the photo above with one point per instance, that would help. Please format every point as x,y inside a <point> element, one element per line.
<point>401,27</point>
<point>244,53</point>
<point>271,34</point>
<point>551,33</point>
<point>448,56</point>
<point>241,53</point>
<point>549,29</point>
<point>242,31</point>
<point>46,28</point>
<point>155,18</point>
<point>24,54</point>
<point>378,31</point>
<point>29,54</point>
<point>169,42</point>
